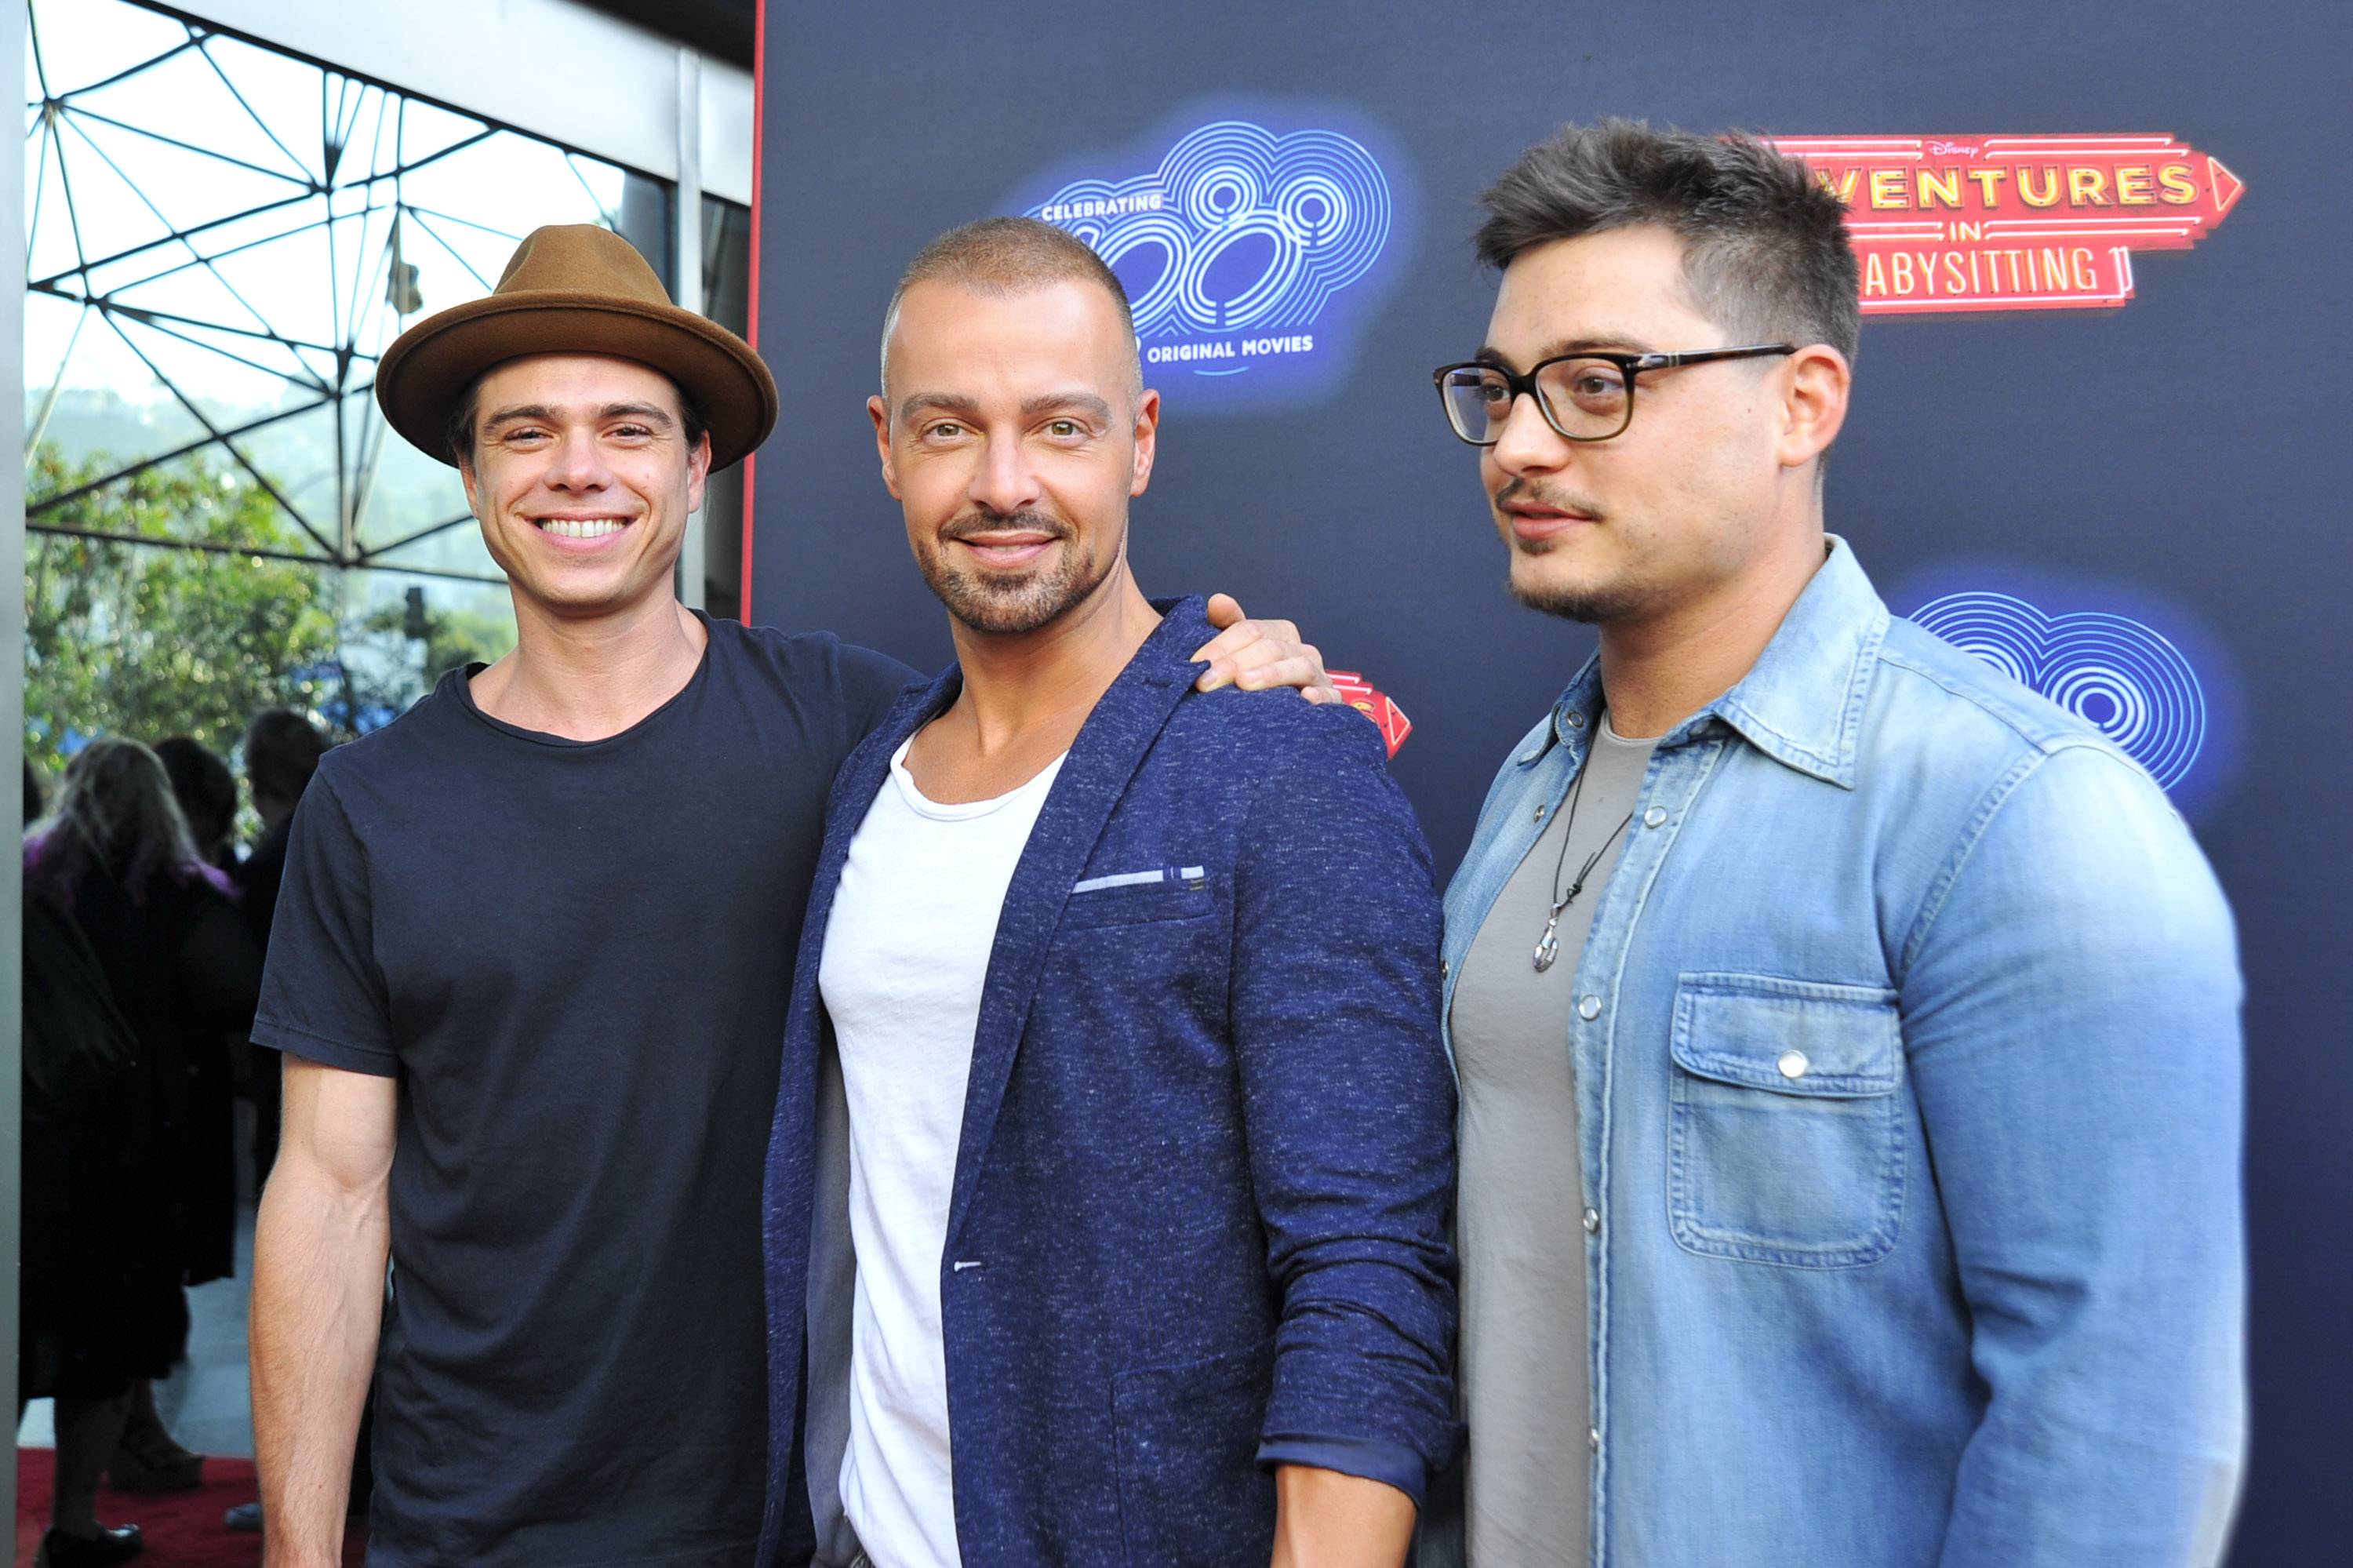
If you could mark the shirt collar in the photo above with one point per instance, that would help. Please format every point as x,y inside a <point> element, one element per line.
<point>1575,715</point>
<point>1801,703</point>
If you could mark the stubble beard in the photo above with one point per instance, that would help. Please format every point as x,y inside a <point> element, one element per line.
<point>1010,603</point>
<point>1590,604</point>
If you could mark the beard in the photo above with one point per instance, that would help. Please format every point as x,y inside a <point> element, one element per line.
<point>1590,604</point>
<point>1009,603</point>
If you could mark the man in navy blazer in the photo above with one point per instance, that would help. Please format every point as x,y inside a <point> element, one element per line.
<point>1106,1191</point>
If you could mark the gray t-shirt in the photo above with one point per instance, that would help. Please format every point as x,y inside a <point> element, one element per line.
<point>1519,1214</point>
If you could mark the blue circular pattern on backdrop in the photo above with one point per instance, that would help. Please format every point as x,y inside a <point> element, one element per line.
<point>1237,228</point>
<point>2117,674</point>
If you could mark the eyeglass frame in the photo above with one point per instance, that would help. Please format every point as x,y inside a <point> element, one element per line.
<point>1630,365</point>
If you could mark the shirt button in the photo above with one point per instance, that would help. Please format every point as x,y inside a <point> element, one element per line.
<point>1576,719</point>
<point>1592,1222</point>
<point>1654,816</point>
<point>1540,811</point>
<point>1593,1437</point>
<point>1588,1008</point>
<point>1444,969</point>
<point>1793,1064</point>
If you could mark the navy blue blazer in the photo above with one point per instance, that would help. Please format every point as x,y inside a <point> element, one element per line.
<point>1197,1225</point>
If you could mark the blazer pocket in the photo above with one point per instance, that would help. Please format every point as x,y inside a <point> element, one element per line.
<point>1176,893</point>
<point>1786,1142</point>
<point>1191,1491</point>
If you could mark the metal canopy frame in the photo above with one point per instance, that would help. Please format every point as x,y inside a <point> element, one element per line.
<point>358,176</point>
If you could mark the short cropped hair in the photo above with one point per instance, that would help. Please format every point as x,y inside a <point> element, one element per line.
<point>1003,257</point>
<point>1766,254</point>
<point>459,435</point>
<point>281,751</point>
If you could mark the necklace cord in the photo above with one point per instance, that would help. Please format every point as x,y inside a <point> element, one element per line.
<point>1548,945</point>
<point>1560,900</point>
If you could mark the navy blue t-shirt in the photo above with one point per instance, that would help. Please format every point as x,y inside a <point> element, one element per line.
<point>575,957</point>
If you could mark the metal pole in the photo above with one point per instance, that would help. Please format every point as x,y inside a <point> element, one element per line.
<point>12,723</point>
<point>686,224</point>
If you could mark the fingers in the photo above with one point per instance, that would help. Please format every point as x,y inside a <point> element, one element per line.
<point>1279,636</point>
<point>1268,662</point>
<point>1243,635</point>
<point>1259,655</point>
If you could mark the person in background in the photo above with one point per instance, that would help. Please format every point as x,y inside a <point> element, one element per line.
<point>148,1459</point>
<point>181,970</point>
<point>207,792</point>
<point>281,752</point>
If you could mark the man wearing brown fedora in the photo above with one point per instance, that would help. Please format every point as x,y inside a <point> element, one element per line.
<point>529,969</point>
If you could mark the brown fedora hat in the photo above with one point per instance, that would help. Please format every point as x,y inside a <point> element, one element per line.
<point>575,287</point>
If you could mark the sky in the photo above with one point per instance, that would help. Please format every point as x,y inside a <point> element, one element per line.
<point>279,271</point>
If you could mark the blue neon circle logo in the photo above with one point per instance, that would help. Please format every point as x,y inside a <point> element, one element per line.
<point>1245,251</point>
<point>2122,677</point>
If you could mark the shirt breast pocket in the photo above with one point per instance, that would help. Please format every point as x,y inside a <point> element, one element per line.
<point>1135,898</point>
<point>1787,1133</point>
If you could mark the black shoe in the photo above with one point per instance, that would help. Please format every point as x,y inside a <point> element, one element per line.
<point>120,1545</point>
<point>178,1472</point>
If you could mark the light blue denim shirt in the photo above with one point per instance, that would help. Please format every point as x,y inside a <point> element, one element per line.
<point>1908,1077</point>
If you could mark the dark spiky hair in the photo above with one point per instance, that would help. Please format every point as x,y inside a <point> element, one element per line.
<point>1766,254</point>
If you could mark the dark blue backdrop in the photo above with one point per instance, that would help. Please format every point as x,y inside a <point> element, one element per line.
<point>2180,460</point>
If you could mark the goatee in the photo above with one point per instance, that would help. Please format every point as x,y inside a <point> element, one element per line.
<point>1010,603</point>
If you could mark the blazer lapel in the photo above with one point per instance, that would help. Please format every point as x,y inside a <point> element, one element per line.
<point>787,1180</point>
<point>1110,748</point>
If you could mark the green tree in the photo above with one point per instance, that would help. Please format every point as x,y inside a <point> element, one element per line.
<point>147,642</point>
<point>453,635</point>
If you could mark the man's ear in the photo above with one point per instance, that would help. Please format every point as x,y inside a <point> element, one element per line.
<point>1815,384</point>
<point>1147,439</point>
<point>474,492</point>
<point>879,412</point>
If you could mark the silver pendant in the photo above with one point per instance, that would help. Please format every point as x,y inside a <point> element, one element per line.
<point>1549,948</point>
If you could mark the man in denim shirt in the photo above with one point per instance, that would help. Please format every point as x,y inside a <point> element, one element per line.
<point>1848,1037</point>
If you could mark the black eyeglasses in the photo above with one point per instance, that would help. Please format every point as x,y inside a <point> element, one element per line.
<point>1586,396</point>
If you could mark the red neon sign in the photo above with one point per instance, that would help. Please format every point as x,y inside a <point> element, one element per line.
<point>2009,223</point>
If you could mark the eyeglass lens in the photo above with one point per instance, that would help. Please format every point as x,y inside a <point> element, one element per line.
<point>1586,398</point>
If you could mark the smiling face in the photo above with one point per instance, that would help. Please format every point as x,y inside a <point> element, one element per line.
<point>1693,494</point>
<point>1013,440</point>
<point>583,479</point>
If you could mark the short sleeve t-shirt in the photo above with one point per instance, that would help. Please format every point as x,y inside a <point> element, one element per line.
<point>576,959</point>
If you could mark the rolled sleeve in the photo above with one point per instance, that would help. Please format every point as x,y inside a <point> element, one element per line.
<point>1391,1464</point>
<point>1350,1109</point>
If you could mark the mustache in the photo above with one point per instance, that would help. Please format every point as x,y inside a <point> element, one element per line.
<point>975,523</point>
<point>1527,490</point>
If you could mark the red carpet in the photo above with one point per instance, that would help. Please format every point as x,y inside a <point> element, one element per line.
<point>183,1530</point>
